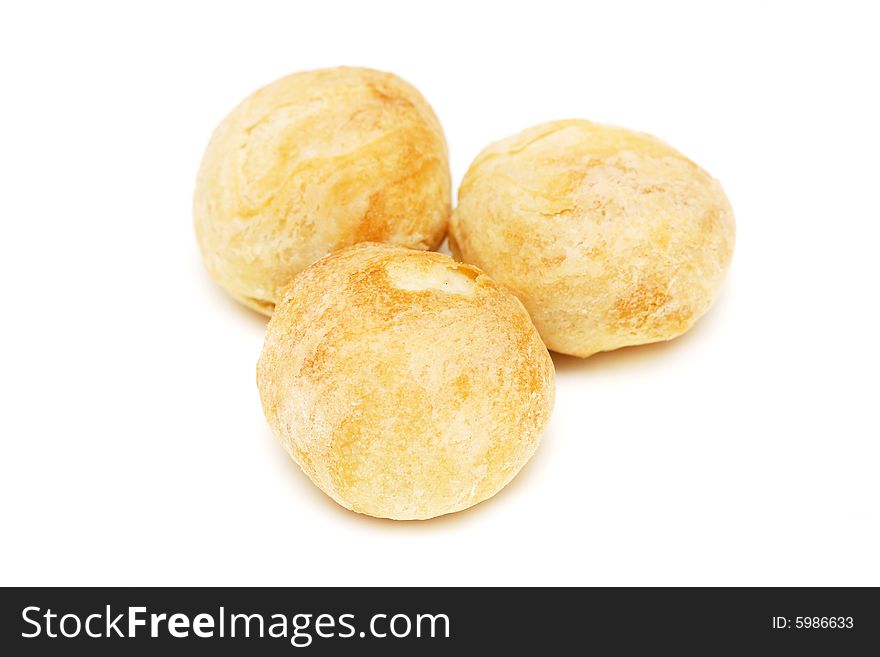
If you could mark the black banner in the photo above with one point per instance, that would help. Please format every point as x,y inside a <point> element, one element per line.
<point>327,621</point>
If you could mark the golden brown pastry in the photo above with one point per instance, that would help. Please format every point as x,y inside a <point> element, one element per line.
<point>406,385</point>
<point>314,162</point>
<point>609,237</point>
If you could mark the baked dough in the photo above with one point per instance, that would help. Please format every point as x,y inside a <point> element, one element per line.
<point>404,384</point>
<point>609,237</point>
<point>314,162</point>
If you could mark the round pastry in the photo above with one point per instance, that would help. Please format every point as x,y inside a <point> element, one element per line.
<point>314,162</point>
<point>609,237</point>
<point>406,385</point>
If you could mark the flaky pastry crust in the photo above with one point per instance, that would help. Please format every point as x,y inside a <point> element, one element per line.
<point>314,162</point>
<point>609,237</point>
<point>404,384</point>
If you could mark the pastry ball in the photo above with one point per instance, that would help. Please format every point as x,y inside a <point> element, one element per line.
<point>609,237</point>
<point>314,162</point>
<point>406,385</point>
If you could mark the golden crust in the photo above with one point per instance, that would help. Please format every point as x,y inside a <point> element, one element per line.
<point>404,384</point>
<point>311,163</point>
<point>609,237</point>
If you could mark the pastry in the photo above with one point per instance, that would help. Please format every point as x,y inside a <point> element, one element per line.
<point>609,237</point>
<point>314,162</point>
<point>406,385</point>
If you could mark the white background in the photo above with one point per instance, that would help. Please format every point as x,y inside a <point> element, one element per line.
<point>134,450</point>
